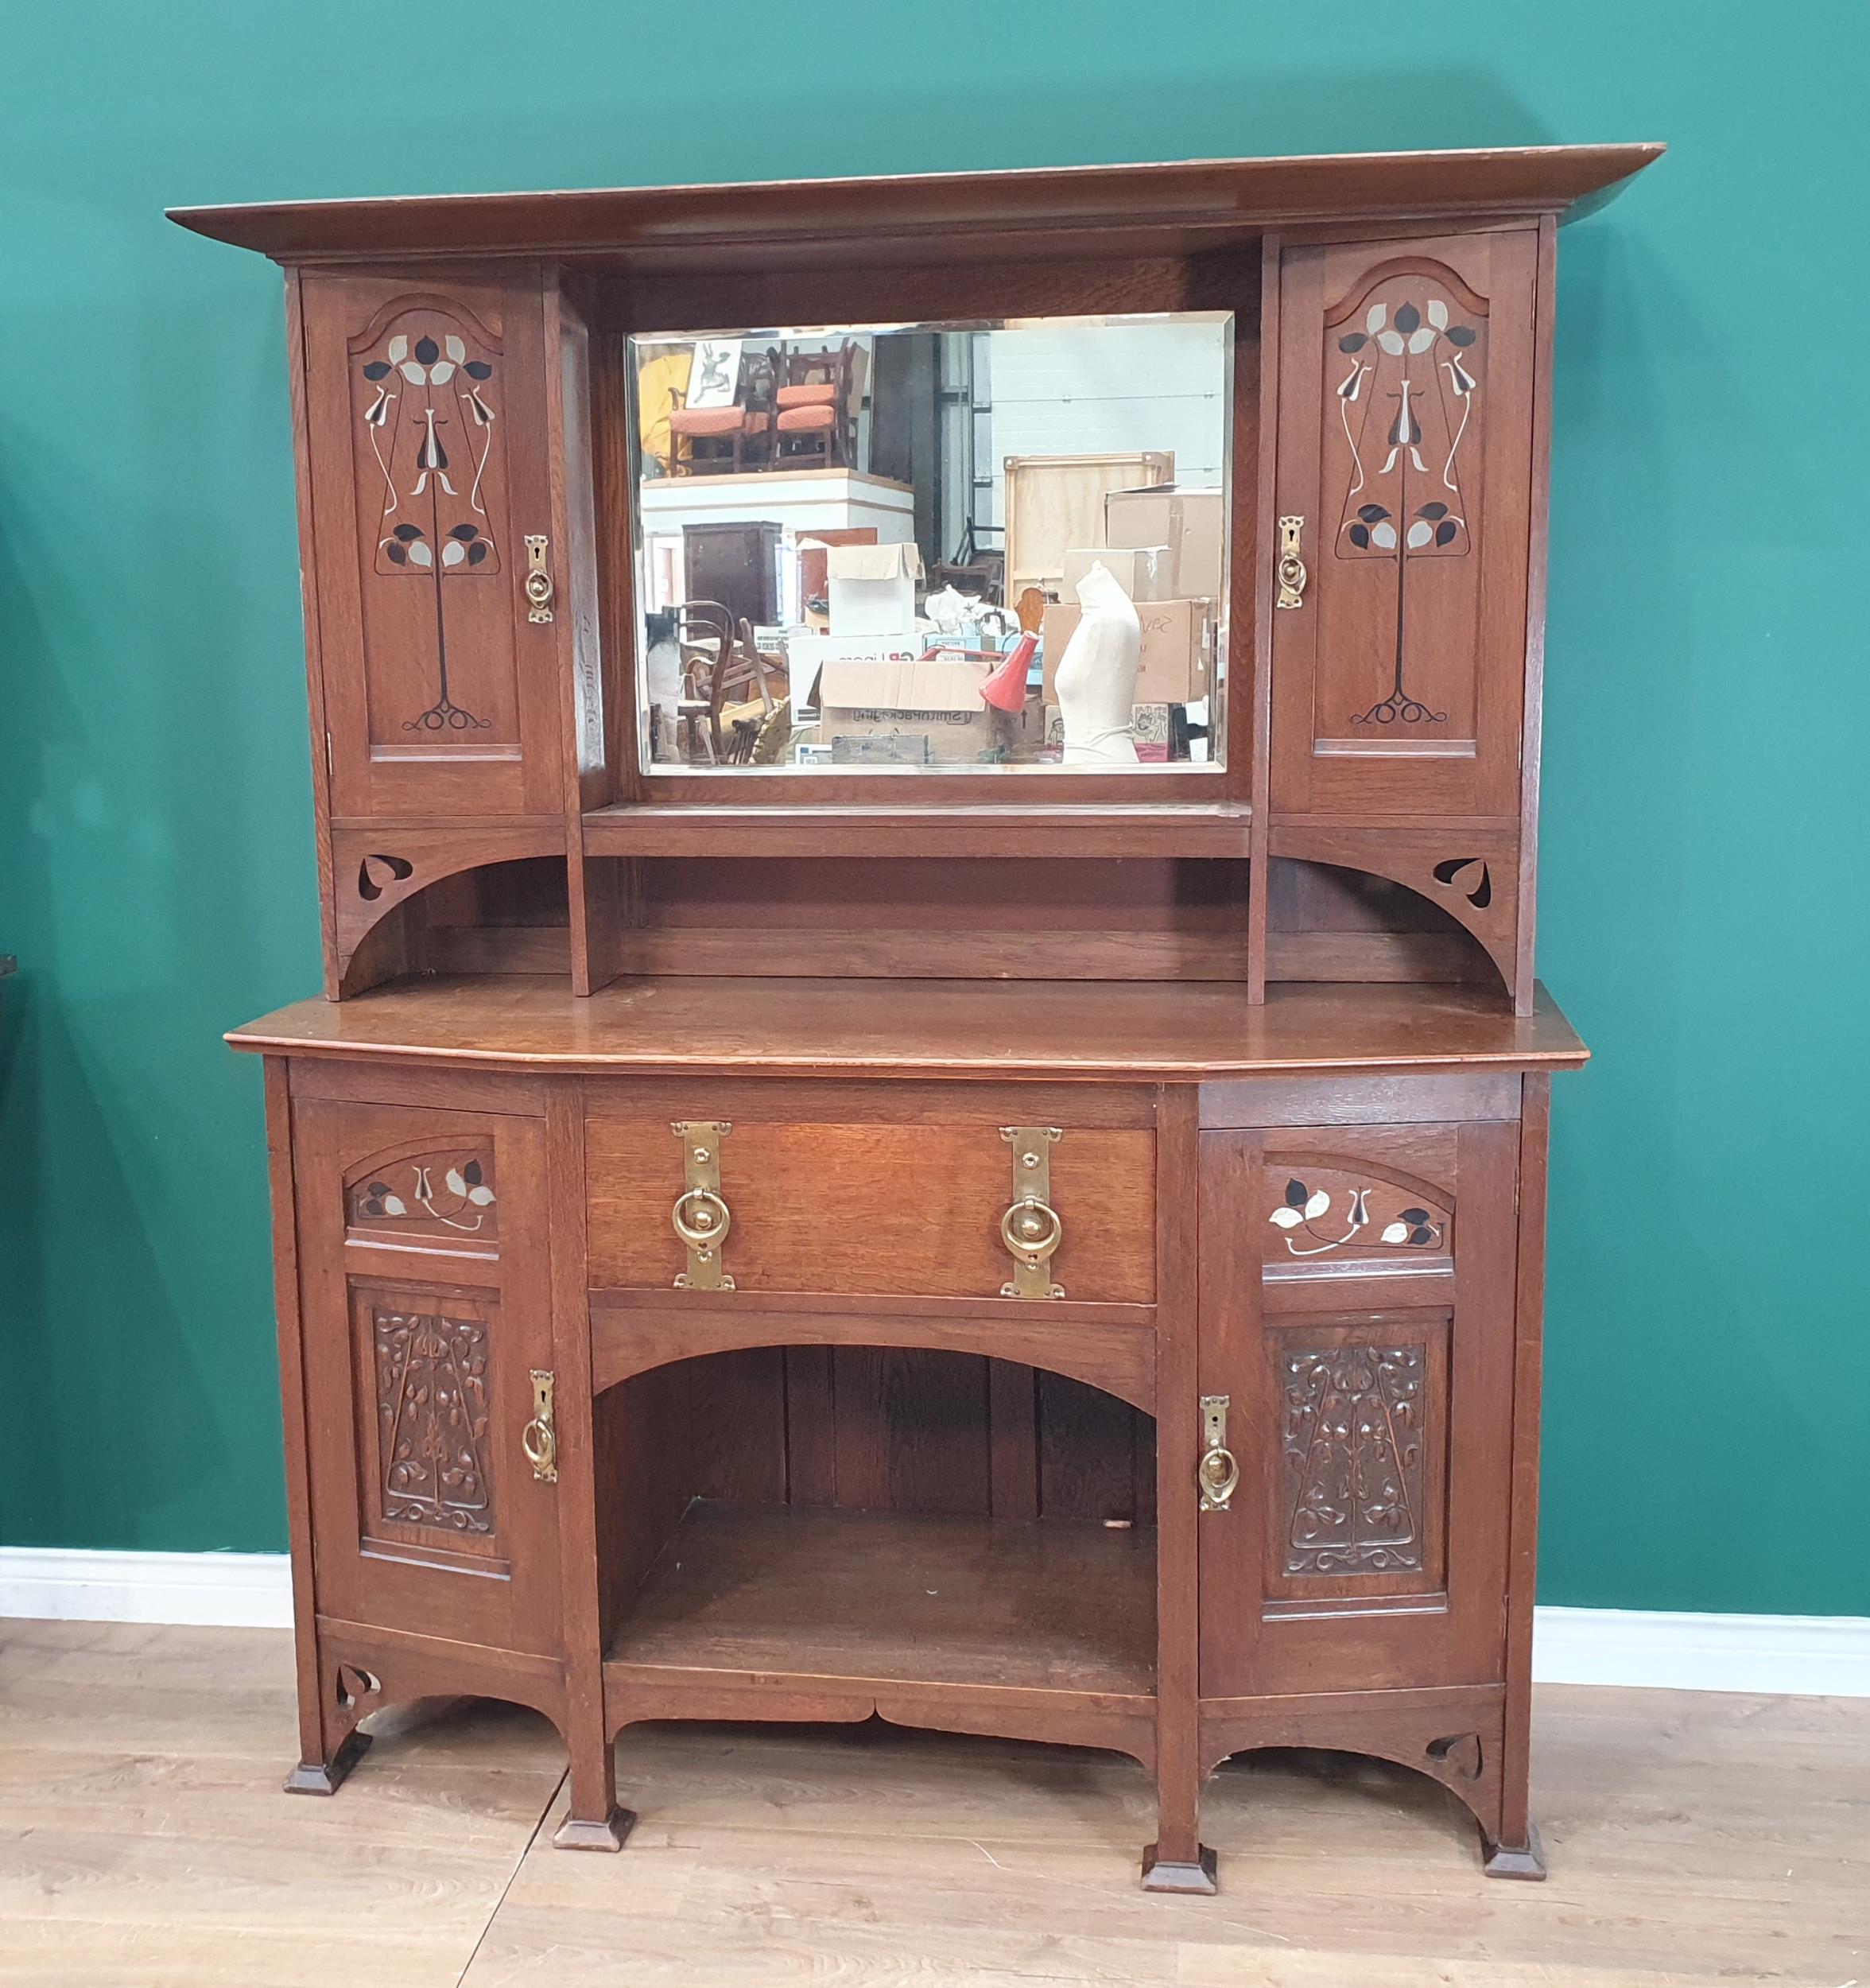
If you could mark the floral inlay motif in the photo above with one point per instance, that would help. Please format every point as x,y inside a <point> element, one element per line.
<point>406,1195</point>
<point>1410,366</point>
<point>432,1410</point>
<point>1350,1439</point>
<point>1304,1207</point>
<point>432,398</point>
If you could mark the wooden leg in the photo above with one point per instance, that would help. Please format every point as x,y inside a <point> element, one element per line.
<point>1176,1862</point>
<point>594,1820</point>
<point>327,1776</point>
<point>1514,1852</point>
<point>1524,1859</point>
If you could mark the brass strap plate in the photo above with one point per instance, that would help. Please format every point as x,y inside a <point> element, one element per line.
<point>700,1217</point>
<point>1030,1229</point>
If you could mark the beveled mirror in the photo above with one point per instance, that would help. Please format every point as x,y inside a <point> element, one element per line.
<point>933,548</point>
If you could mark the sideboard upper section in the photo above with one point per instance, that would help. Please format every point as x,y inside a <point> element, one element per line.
<point>654,534</point>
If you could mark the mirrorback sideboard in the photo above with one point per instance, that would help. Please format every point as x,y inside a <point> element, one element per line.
<point>961,1138</point>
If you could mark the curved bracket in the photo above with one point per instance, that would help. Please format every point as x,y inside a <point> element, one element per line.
<point>376,869</point>
<point>1472,875</point>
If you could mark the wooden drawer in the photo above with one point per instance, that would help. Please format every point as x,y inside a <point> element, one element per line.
<point>893,1190</point>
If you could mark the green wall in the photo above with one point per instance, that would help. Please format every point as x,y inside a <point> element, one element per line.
<point>1703,919</point>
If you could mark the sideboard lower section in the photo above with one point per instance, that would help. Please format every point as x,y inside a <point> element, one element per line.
<point>1176,1418</point>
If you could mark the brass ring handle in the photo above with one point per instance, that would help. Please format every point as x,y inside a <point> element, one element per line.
<point>540,1444</point>
<point>1023,1228</point>
<point>538,580</point>
<point>1292,575</point>
<point>1219,1475</point>
<point>706,1228</point>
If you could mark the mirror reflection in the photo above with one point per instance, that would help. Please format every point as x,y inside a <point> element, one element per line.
<point>946,548</point>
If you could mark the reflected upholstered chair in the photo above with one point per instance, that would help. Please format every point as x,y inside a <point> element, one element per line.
<point>744,430</point>
<point>813,423</point>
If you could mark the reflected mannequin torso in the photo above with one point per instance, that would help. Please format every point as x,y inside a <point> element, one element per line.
<point>1097,679</point>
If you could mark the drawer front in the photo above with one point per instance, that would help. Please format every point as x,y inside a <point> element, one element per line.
<point>893,1191</point>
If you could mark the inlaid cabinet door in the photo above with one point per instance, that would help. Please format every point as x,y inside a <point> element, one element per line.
<point>424,1294</point>
<point>1357,1315</point>
<point>429,452</point>
<point>1404,484</point>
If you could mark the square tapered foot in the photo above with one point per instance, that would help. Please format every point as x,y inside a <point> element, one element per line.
<point>322,1777</point>
<point>1527,1862</point>
<point>1199,1879</point>
<point>574,1834</point>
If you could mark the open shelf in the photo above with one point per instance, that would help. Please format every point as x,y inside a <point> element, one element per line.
<point>844,1603</point>
<point>1151,829</point>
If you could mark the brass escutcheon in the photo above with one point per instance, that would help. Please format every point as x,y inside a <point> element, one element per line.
<point>1292,567</point>
<point>1218,1474</point>
<point>539,1439</point>
<point>538,581</point>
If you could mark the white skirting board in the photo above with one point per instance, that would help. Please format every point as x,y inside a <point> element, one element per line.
<point>1808,1656</point>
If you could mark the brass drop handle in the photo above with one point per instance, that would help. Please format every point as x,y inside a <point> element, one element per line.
<point>1292,567</point>
<point>1218,1474</point>
<point>700,1218</point>
<point>1031,1228</point>
<point>538,580</point>
<point>539,1439</point>
<point>706,1225</point>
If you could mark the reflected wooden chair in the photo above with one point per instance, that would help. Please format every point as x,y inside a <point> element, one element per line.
<point>743,430</point>
<point>720,666</point>
<point>813,422</point>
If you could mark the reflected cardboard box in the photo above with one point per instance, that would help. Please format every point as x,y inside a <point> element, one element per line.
<point>1190,523</point>
<point>897,709</point>
<point>1177,648</point>
<point>871,588</point>
<point>1145,573</point>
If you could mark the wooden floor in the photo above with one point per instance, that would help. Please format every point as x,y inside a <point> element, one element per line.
<point>144,1840</point>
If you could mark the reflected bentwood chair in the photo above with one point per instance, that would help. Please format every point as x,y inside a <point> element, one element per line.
<point>718,668</point>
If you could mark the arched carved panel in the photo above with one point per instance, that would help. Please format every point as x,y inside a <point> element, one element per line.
<point>1407,347</point>
<point>427,402</point>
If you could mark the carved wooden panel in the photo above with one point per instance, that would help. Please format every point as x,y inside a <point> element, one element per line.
<point>1405,444</point>
<point>433,1468</point>
<point>1351,1443</point>
<point>429,454</point>
<point>444,1195</point>
<point>1359,1493</point>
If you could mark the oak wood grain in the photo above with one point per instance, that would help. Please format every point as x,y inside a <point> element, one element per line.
<point>933,1029</point>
